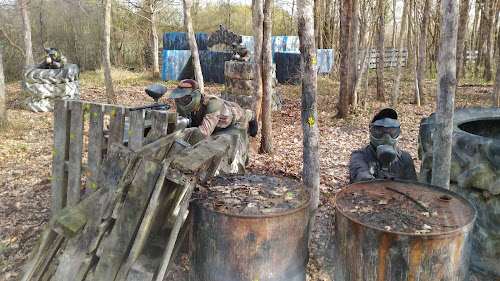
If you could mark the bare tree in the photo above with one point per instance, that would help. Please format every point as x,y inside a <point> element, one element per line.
<point>188,25</point>
<point>488,58</point>
<point>380,50</point>
<point>266,144</point>
<point>3,103</point>
<point>462,31</point>
<point>345,38</point>
<point>353,55</point>
<point>397,77</point>
<point>441,160</point>
<point>28,48</point>
<point>258,28</point>
<point>154,37</point>
<point>422,48</point>
<point>106,61</point>
<point>496,88</point>
<point>309,108</point>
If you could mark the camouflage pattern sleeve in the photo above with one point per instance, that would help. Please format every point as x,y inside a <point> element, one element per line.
<point>247,56</point>
<point>60,61</point>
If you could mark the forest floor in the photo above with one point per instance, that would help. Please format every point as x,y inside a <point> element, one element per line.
<point>26,155</point>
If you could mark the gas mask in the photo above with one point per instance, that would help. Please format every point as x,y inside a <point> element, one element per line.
<point>188,103</point>
<point>385,132</point>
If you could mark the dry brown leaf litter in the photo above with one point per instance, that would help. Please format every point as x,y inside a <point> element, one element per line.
<point>26,155</point>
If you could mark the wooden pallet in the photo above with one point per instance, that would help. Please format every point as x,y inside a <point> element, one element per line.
<point>77,123</point>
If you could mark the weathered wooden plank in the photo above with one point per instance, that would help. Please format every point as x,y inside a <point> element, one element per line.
<point>165,261</point>
<point>159,120</point>
<point>49,272</point>
<point>73,219</point>
<point>199,157</point>
<point>75,153</point>
<point>37,254</point>
<point>126,225</point>
<point>47,258</point>
<point>96,139</point>
<point>171,121</point>
<point>76,261</point>
<point>136,130</point>
<point>59,155</point>
<point>116,124</point>
<point>147,222</point>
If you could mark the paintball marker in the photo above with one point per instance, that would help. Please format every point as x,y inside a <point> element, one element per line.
<point>155,91</point>
<point>386,154</point>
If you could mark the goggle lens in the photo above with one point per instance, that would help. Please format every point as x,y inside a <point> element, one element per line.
<point>185,100</point>
<point>378,131</point>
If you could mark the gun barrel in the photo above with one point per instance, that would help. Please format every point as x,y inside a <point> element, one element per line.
<point>163,106</point>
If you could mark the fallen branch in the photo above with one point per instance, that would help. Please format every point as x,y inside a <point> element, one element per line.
<point>411,198</point>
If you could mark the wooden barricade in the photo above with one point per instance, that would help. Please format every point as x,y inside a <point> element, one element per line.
<point>98,125</point>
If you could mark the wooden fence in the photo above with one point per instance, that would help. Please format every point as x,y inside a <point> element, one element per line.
<point>390,57</point>
<point>79,124</point>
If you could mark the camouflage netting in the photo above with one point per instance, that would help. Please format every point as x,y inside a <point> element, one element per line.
<point>239,85</point>
<point>221,40</point>
<point>41,86</point>
<point>475,174</point>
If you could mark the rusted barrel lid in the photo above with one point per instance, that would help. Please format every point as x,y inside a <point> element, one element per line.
<point>252,194</point>
<point>404,207</point>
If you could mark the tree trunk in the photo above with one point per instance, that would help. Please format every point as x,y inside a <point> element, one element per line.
<point>3,103</point>
<point>395,86</point>
<point>409,44</point>
<point>441,160</point>
<point>380,50</point>
<point>188,25</point>
<point>496,88</point>
<point>345,38</point>
<point>462,31</point>
<point>481,37</point>
<point>488,58</point>
<point>353,56</point>
<point>106,61</point>
<point>309,108</point>
<point>258,31</point>
<point>422,47</point>
<point>394,24</point>
<point>266,144</point>
<point>154,39</point>
<point>28,48</point>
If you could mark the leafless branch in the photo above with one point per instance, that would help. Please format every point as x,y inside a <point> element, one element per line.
<point>12,43</point>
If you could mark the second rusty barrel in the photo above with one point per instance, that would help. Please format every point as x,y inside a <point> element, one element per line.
<point>250,227</point>
<point>399,230</point>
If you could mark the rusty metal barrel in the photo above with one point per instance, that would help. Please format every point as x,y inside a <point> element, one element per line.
<point>401,230</point>
<point>270,243</point>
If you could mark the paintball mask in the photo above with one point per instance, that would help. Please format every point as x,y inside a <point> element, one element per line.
<point>186,97</point>
<point>385,128</point>
<point>242,49</point>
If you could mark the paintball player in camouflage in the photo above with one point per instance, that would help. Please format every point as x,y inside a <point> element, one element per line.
<point>53,60</point>
<point>384,132</point>
<point>209,113</point>
<point>242,54</point>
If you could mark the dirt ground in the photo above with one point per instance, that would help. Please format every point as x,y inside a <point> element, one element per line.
<point>26,155</point>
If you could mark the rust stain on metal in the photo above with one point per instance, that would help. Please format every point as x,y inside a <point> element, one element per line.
<point>382,255</point>
<point>415,259</point>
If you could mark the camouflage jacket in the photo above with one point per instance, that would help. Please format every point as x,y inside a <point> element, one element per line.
<point>246,57</point>
<point>216,114</point>
<point>364,165</point>
<point>59,62</point>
